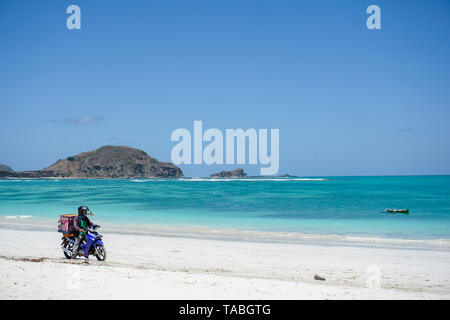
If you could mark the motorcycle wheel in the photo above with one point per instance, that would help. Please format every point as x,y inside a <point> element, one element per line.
<point>101,253</point>
<point>69,246</point>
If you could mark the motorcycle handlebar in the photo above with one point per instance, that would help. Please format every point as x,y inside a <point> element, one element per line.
<point>90,229</point>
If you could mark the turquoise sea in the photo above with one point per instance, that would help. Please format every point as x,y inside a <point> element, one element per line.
<point>350,206</point>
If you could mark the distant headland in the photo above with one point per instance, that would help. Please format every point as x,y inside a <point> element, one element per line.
<point>116,162</point>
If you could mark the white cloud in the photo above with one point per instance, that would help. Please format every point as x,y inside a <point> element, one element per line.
<point>85,120</point>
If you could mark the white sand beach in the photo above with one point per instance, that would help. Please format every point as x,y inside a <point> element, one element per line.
<point>161,267</point>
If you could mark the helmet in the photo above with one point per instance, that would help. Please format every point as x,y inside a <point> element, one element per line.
<point>83,210</point>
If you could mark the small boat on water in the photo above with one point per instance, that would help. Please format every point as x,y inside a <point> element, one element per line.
<point>397,210</point>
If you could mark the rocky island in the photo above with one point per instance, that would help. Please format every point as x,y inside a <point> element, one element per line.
<point>5,168</point>
<point>237,173</point>
<point>119,162</point>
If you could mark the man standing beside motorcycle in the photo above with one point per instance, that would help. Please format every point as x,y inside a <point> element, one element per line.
<point>81,223</point>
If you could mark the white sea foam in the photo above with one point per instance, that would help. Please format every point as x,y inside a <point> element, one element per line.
<point>252,179</point>
<point>18,216</point>
<point>195,179</point>
<point>20,180</point>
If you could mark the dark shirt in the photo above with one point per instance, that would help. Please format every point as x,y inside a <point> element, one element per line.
<point>77,223</point>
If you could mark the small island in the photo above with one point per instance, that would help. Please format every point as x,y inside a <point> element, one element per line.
<point>237,173</point>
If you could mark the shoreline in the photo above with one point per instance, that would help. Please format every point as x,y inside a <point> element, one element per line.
<point>25,222</point>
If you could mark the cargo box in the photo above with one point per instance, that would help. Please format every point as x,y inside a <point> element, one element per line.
<point>65,223</point>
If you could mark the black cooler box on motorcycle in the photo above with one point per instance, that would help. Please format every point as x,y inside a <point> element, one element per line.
<point>65,223</point>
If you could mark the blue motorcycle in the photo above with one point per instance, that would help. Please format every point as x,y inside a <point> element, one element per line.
<point>92,246</point>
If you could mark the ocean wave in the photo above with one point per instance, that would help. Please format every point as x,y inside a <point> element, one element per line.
<point>252,179</point>
<point>18,217</point>
<point>229,179</point>
<point>398,241</point>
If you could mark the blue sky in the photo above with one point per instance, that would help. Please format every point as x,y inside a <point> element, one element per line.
<point>347,100</point>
